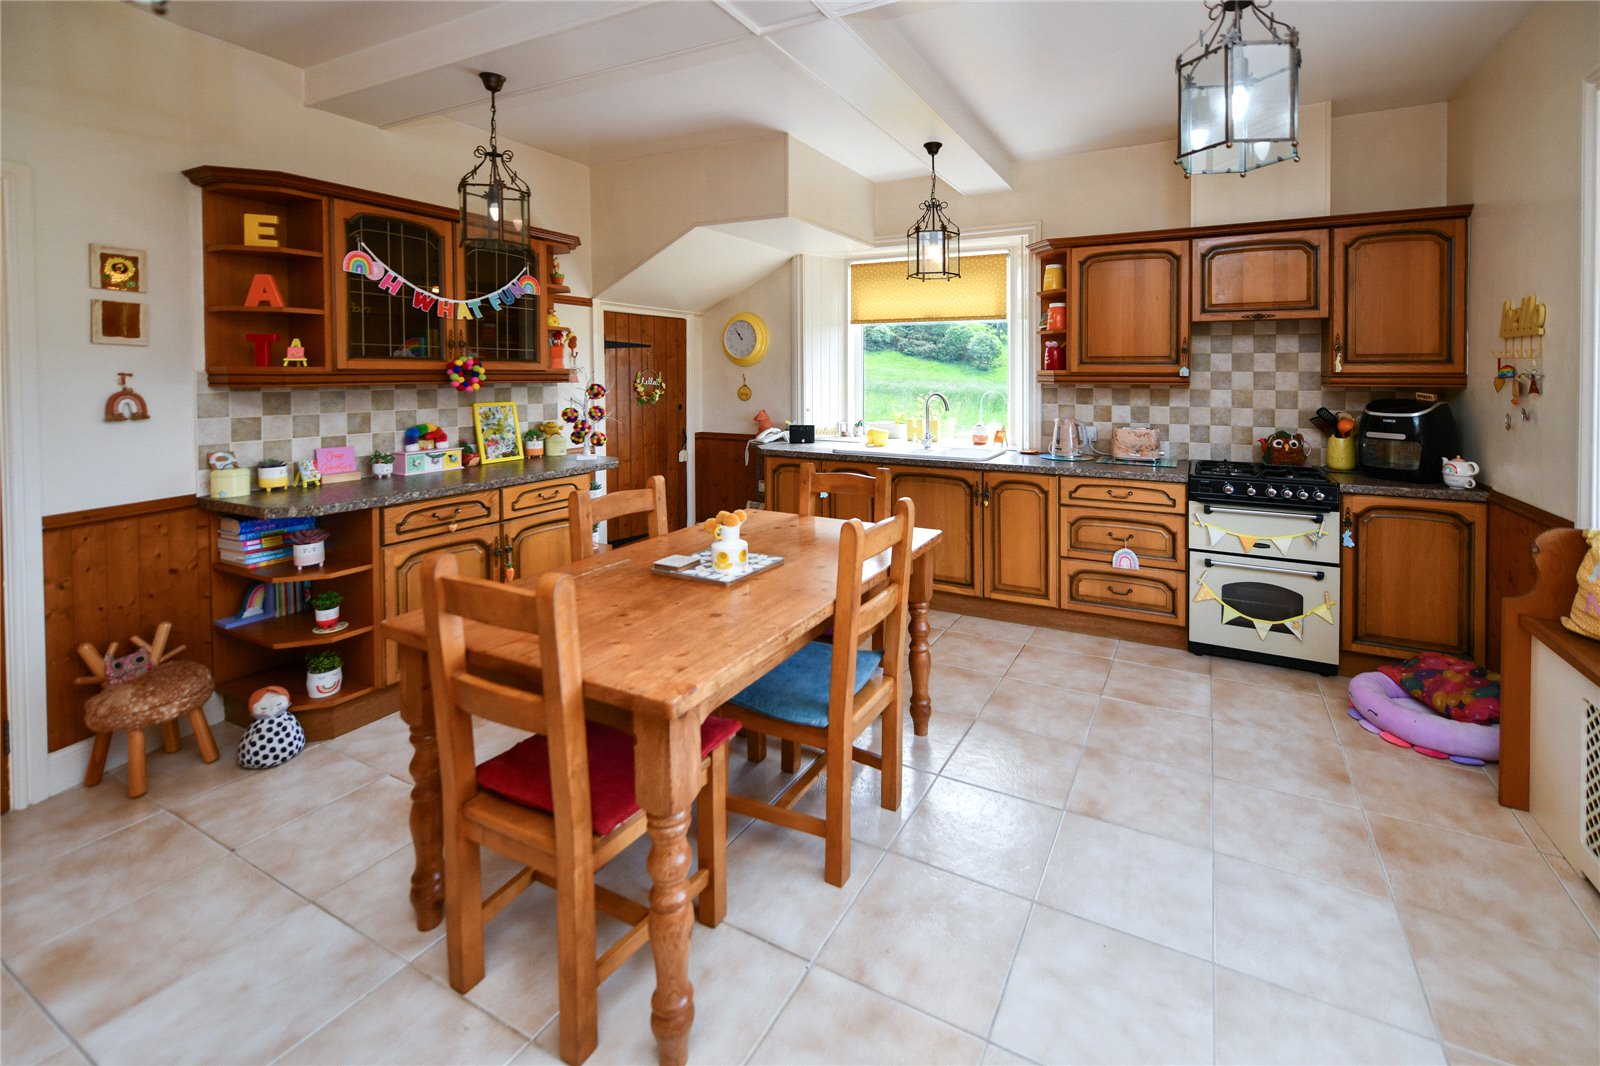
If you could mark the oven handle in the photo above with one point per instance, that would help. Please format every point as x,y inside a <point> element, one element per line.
<point>1252,511</point>
<point>1318,576</point>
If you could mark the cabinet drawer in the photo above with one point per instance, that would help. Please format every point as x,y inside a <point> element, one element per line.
<point>1150,595</point>
<point>1157,539</point>
<point>1135,495</point>
<point>446,515</point>
<point>539,497</point>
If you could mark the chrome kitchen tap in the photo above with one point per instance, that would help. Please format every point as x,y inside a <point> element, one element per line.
<point>927,417</point>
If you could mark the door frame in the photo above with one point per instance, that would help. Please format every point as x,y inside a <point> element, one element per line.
<point>1588,487</point>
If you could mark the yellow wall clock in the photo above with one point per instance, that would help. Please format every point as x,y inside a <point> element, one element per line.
<point>744,338</point>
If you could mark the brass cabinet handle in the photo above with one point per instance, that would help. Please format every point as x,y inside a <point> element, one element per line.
<point>1119,592</point>
<point>1126,494</point>
<point>1125,538</point>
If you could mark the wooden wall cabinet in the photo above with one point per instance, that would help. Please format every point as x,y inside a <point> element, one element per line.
<point>1098,517</point>
<point>1415,580</point>
<point>1128,315</point>
<point>1255,277</point>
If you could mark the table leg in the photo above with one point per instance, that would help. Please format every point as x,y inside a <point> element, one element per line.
<point>667,778</point>
<point>427,833</point>
<point>921,660</point>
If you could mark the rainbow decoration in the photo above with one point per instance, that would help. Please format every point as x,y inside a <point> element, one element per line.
<point>525,283</point>
<point>467,374</point>
<point>362,262</point>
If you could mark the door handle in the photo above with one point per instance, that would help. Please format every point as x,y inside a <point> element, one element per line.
<point>1256,512</point>
<point>1126,494</point>
<point>1260,315</point>
<point>1119,592</point>
<point>1125,538</point>
<point>1315,576</point>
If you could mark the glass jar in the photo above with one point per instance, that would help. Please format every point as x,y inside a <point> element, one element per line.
<point>1056,317</point>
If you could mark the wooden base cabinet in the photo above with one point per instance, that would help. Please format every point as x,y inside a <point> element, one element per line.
<point>1415,580</point>
<point>1101,516</point>
<point>1019,537</point>
<point>948,500</point>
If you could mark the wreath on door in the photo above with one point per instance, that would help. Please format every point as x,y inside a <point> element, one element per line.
<point>649,390</point>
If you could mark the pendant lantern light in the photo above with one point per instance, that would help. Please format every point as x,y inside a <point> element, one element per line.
<point>494,201</point>
<point>1238,98</point>
<point>933,244</point>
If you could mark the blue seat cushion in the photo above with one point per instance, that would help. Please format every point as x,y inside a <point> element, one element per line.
<point>796,690</point>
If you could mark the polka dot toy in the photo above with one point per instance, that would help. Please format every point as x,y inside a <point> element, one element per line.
<point>275,736</point>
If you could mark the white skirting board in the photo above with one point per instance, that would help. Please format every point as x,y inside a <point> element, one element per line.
<point>68,765</point>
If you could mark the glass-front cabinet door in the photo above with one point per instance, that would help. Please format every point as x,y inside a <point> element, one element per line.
<point>515,333</point>
<point>376,327</point>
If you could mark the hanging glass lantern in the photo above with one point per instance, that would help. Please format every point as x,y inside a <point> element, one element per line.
<point>494,201</point>
<point>1238,99</point>
<point>933,245</point>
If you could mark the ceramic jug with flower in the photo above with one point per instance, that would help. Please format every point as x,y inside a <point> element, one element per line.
<point>729,552</point>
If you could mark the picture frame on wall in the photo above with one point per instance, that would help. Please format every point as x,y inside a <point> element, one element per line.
<point>498,438</point>
<point>116,269</point>
<point>118,322</point>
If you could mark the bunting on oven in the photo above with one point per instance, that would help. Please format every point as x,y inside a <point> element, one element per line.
<point>1248,541</point>
<point>1295,623</point>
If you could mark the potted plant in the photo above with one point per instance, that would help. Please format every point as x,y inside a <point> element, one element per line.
<point>324,674</point>
<point>325,608</point>
<point>310,547</point>
<point>382,463</point>
<point>272,474</point>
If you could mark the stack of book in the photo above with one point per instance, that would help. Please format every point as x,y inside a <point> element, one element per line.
<point>257,542</point>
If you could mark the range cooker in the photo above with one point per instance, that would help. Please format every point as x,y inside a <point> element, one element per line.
<point>1264,564</point>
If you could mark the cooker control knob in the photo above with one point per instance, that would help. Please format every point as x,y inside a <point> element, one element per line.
<point>1303,494</point>
<point>1318,495</point>
<point>1272,490</point>
<point>1250,490</point>
<point>1227,487</point>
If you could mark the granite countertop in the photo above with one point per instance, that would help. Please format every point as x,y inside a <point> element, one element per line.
<point>1356,483</point>
<point>375,492</point>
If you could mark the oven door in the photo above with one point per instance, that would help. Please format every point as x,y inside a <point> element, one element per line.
<point>1270,610</point>
<point>1266,532</point>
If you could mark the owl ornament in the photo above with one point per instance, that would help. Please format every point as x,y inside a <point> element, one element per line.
<point>275,736</point>
<point>1283,449</point>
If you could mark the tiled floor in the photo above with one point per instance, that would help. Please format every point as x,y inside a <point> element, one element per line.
<point>1105,853</point>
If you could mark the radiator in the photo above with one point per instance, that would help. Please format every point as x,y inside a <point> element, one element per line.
<point>1564,759</point>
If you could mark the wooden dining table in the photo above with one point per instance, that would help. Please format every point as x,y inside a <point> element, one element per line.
<point>662,652</point>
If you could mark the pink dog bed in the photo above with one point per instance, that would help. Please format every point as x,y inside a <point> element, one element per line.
<point>1383,707</point>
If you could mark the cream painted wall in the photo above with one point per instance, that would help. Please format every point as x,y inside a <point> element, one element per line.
<point>1390,160</point>
<point>105,154</point>
<point>1285,190</point>
<point>771,379</point>
<point>1514,153</point>
<point>828,194</point>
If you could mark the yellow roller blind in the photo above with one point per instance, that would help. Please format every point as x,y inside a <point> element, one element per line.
<point>881,292</point>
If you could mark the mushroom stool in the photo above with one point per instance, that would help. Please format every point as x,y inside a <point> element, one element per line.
<point>140,690</point>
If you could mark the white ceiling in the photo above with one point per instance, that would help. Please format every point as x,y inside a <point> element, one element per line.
<point>866,83</point>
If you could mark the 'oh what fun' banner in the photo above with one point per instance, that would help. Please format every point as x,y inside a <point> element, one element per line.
<point>363,262</point>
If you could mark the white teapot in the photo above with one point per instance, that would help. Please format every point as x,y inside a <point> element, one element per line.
<point>1460,473</point>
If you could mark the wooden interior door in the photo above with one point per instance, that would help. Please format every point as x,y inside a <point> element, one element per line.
<point>647,438</point>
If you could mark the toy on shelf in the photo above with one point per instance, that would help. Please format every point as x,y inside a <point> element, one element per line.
<point>426,437</point>
<point>1283,449</point>
<point>295,355</point>
<point>762,420</point>
<point>306,474</point>
<point>275,736</point>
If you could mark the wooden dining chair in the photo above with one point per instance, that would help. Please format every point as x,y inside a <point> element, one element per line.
<point>583,512</point>
<point>826,695</point>
<point>560,802</point>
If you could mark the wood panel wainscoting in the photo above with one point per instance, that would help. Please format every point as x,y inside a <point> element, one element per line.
<point>722,481</point>
<point>1513,527</point>
<point>111,573</point>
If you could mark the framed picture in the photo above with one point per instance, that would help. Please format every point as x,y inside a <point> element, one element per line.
<point>498,439</point>
<point>118,322</point>
<point>116,269</point>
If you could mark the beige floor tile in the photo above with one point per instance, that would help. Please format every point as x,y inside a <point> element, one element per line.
<point>1180,659</point>
<point>324,849</point>
<point>1258,1022</point>
<point>534,1055</point>
<point>1334,689</point>
<point>1154,733</point>
<point>831,1019</point>
<point>377,902</point>
<point>1024,765</point>
<point>1411,786</point>
<point>1459,1056</point>
<point>1144,885</point>
<point>1049,711</point>
<point>942,619</point>
<point>776,890</point>
<point>1505,997</point>
<point>1293,712</point>
<point>1147,796</point>
<point>117,961</point>
<point>409,1019</point>
<point>1303,836</point>
<point>1350,732</point>
<point>67,1056</point>
<point>491,738</point>
<point>1536,834</point>
<point>988,836</point>
<point>318,967</point>
<point>1060,669</point>
<point>1579,889</point>
<point>1010,632</point>
<point>1284,762</point>
<point>179,776</point>
<point>958,692</point>
<point>1504,888</point>
<point>929,753</point>
<point>383,745</point>
<point>1174,689</point>
<point>995,1055</point>
<point>238,813</point>
<point>1082,993</point>
<point>980,654</point>
<point>1334,944</point>
<point>948,958</point>
<point>74,889</point>
<point>740,984</point>
<point>1277,678</point>
<point>1066,640</point>
<point>27,1033</point>
<point>869,822</point>
<point>37,834</point>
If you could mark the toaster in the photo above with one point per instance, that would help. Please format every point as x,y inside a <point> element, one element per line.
<point>1407,439</point>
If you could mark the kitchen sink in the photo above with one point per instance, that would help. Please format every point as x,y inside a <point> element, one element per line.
<point>911,450</point>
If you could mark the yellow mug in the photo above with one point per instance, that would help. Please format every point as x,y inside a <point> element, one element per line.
<point>1341,453</point>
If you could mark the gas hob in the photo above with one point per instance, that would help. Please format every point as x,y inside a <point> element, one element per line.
<point>1256,484</point>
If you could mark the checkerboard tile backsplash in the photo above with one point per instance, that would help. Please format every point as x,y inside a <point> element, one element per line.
<point>293,423</point>
<point>1246,379</point>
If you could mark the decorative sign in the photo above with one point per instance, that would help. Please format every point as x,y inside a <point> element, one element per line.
<point>337,464</point>
<point>363,262</point>
<point>116,269</point>
<point>117,322</point>
<point>296,354</point>
<point>125,405</point>
<point>261,231</point>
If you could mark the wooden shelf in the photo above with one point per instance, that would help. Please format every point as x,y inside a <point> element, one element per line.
<point>278,573</point>
<point>1045,294</point>
<point>291,677</point>
<point>290,631</point>
<point>271,252</point>
<point>557,290</point>
<point>1052,333</point>
<point>219,310</point>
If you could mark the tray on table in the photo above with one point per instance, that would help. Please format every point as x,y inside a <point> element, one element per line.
<point>702,571</point>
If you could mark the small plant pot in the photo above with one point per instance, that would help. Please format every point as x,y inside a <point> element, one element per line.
<point>272,477</point>
<point>326,619</point>
<point>322,686</point>
<point>382,469</point>
<point>314,554</point>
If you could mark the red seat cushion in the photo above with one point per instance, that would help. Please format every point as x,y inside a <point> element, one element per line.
<point>522,774</point>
